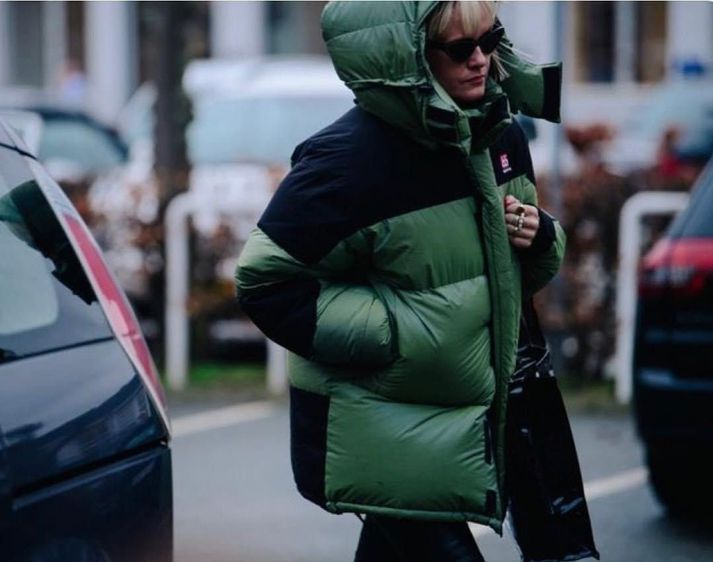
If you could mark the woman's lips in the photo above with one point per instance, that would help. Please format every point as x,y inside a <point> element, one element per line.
<point>475,81</point>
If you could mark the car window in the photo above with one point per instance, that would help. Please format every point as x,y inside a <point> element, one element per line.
<point>46,300</point>
<point>257,129</point>
<point>695,221</point>
<point>89,148</point>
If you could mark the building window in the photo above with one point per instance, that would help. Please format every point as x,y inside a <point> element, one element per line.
<point>294,27</point>
<point>594,32</point>
<point>650,41</point>
<point>75,32</point>
<point>620,41</point>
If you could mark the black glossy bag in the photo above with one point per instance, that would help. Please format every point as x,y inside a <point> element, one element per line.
<point>547,508</point>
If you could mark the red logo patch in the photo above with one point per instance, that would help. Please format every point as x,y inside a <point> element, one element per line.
<point>505,163</point>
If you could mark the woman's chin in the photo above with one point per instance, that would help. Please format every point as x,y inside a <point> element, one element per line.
<point>471,96</point>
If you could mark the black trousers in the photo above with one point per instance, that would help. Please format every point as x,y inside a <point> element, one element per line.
<point>385,539</point>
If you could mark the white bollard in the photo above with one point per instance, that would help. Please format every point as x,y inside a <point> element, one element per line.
<point>276,369</point>
<point>176,328</point>
<point>636,207</point>
<point>176,336</point>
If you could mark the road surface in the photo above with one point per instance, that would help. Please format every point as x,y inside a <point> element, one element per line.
<point>235,499</point>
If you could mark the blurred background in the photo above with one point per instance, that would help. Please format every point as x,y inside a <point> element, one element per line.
<point>170,124</point>
<point>142,101</point>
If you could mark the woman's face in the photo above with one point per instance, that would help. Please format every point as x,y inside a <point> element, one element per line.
<point>464,81</point>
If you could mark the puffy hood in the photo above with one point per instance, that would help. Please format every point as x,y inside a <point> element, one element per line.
<point>378,50</point>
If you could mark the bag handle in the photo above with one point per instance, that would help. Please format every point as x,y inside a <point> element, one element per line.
<point>530,329</point>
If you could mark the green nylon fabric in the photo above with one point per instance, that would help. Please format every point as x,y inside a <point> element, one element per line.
<point>413,357</point>
<point>379,447</point>
<point>394,82</point>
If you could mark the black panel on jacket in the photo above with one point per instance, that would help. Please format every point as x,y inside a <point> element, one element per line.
<point>510,155</point>
<point>546,234</point>
<point>285,312</point>
<point>491,498</point>
<point>353,174</point>
<point>545,237</point>
<point>552,76</point>
<point>308,442</point>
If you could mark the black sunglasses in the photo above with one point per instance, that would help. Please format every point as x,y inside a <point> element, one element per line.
<point>461,50</point>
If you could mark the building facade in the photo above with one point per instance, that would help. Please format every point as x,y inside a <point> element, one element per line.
<point>100,52</point>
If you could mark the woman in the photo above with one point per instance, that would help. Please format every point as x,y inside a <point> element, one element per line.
<point>392,262</point>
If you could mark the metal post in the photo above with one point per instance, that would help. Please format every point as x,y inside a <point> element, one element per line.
<point>556,188</point>
<point>177,258</point>
<point>637,206</point>
<point>177,329</point>
<point>276,369</point>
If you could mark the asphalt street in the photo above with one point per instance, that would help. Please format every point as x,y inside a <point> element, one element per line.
<point>235,499</point>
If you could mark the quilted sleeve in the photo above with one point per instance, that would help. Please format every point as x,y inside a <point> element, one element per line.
<point>298,274</point>
<point>542,260</point>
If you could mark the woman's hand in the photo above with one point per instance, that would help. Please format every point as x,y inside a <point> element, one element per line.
<point>522,222</point>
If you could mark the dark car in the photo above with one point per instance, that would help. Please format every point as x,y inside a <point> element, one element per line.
<point>696,145</point>
<point>85,464</point>
<point>73,146</point>
<point>77,138</point>
<point>673,356</point>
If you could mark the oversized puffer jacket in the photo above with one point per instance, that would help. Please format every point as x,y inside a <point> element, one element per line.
<point>383,264</point>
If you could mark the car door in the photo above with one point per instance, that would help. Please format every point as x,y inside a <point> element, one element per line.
<point>4,489</point>
<point>83,456</point>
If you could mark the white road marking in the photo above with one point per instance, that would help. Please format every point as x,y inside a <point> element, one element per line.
<point>602,487</point>
<point>222,417</point>
<point>620,482</point>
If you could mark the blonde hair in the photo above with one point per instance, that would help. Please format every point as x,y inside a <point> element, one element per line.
<point>471,15</point>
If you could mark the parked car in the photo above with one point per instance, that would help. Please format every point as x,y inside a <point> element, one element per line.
<point>248,116</point>
<point>673,372</point>
<point>73,146</point>
<point>683,106</point>
<point>696,145</point>
<point>77,142</point>
<point>85,463</point>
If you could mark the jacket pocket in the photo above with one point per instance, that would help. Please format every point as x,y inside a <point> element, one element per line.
<point>353,327</point>
<point>411,460</point>
<point>444,345</point>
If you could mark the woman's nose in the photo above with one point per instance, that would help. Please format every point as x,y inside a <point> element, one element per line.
<point>477,58</point>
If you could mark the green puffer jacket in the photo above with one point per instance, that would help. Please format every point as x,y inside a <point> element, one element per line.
<point>383,265</point>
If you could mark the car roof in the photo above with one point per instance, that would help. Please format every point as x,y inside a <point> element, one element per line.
<point>283,76</point>
<point>5,138</point>
<point>20,130</point>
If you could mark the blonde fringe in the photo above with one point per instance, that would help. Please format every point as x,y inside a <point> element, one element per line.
<point>471,12</point>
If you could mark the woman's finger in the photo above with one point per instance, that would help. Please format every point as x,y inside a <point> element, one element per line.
<point>519,208</point>
<point>520,242</point>
<point>532,222</point>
